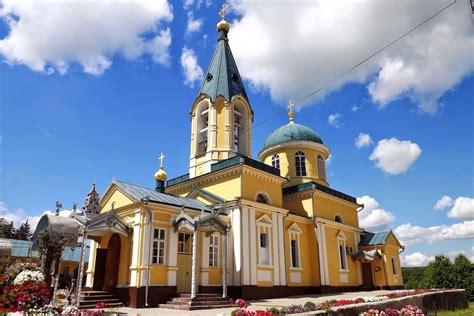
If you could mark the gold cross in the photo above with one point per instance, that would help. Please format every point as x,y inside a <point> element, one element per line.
<point>223,11</point>
<point>290,106</point>
<point>291,113</point>
<point>162,157</point>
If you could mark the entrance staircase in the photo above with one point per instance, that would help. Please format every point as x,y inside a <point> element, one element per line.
<point>201,301</point>
<point>89,299</point>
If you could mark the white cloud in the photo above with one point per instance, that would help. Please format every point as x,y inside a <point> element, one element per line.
<point>335,119</point>
<point>194,25</point>
<point>19,216</point>
<point>191,69</point>
<point>323,39</point>
<point>373,216</point>
<point>355,108</point>
<point>363,140</point>
<point>409,234</point>
<point>463,208</point>
<point>394,156</point>
<point>48,36</point>
<point>444,202</point>
<point>416,259</point>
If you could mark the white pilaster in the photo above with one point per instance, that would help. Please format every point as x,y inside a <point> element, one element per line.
<point>276,258</point>
<point>237,246</point>
<point>194,265</point>
<point>317,232</point>
<point>281,247</point>
<point>146,247</point>
<point>325,257</point>
<point>245,246</point>
<point>212,127</point>
<point>205,251</point>
<point>173,248</point>
<point>253,249</point>
<point>135,246</point>
<point>91,266</point>
<point>356,249</point>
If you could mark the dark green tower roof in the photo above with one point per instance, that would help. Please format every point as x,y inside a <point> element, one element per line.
<point>291,132</point>
<point>222,77</point>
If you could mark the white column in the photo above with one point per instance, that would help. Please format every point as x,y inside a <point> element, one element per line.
<point>281,247</point>
<point>172,256</point>
<point>91,265</point>
<point>224,266</point>
<point>276,257</point>
<point>135,246</point>
<point>81,268</point>
<point>245,247</point>
<point>237,245</point>
<point>323,255</point>
<point>317,233</point>
<point>146,249</point>
<point>212,127</point>
<point>194,265</point>
<point>227,126</point>
<point>253,248</point>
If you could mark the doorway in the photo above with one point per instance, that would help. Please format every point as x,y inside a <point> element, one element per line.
<point>367,278</point>
<point>112,266</point>
<point>185,256</point>
<point>99,272</point>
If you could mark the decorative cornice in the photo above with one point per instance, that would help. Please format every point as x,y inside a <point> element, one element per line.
<point>294,144</point>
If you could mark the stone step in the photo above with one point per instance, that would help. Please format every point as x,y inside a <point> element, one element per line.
<point>201,295</point>
<point>194,307</point>
<point>198,299</point>
<point>196,303</point>
<point>97,297</point>
<point>86,293</point>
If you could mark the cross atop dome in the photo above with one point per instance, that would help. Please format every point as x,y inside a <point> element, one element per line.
<point>291,113</point>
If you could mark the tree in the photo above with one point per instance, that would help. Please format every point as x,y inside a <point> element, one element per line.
<point>439,274</point>
<point>24,232</point>
<point>8,230</point>
<point>464,275</point>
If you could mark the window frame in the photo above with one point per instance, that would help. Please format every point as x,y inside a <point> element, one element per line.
<point>394,266</point>
<point>294,233</point>
<point>276,161</point>
<point>158,243</point>
<point>342,253</point>
<point>321,168</point>
<point>264,226</point>
<point>300,164</point>
<point>214,251</point>
<point>338,217</point>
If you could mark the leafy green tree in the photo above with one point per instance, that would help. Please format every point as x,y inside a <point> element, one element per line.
<point>439,273</point>
<point>8,230</point>
<point>464,275</point>
<point>24,232</point>
<point>412,277</point>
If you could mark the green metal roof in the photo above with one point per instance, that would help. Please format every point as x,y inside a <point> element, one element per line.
<point>373,239</point>
<point>291,132</point>
<point>138,192</point>
<point>314,185</point>
<point>222,77</point>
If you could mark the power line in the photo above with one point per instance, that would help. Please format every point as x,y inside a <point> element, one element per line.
<point>356,66</point>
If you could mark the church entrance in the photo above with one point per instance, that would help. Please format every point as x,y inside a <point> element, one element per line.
<point>112,266</point>
<point>185,256</point>
<point>367,275</point>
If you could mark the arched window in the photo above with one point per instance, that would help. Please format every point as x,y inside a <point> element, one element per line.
<point>202,128</point>
<point>300,164</point>
<point>321,168</point>
<point>338,219</point>
<point>261,198</point>
<point>276,161</point>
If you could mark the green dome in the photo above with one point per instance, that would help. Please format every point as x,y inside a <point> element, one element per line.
<point>291,132</point>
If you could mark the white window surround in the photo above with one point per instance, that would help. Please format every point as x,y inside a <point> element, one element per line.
<point>266,195</point>
<point>158,246</point>
<point>294,233</point>
<point>341,241</point>
<point>300,164</point>
<point>276,161</point>
<point>264,226</point>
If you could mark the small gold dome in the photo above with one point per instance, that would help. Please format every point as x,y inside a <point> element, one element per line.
<point>223,25</point>
<point>161,175</point>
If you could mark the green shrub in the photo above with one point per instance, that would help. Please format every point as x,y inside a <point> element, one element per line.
<point>309,306</point>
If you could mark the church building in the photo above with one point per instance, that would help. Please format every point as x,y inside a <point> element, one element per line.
<point>241,227</point>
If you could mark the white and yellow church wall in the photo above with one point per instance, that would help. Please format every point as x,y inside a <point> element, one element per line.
<point>327,206</point>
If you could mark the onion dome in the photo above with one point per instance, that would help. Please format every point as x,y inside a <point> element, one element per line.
<point>291,132</point>
<point>161,174</point>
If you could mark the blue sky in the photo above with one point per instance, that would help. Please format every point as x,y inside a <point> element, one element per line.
<point>80,107</point>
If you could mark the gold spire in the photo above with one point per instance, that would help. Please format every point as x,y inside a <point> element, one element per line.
<point>291,113</point>
<point>223,25</point>
<point>161,174</point>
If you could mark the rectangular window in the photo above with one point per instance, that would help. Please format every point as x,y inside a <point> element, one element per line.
<point>264,249</point>
<point>394,266</point>
<point>158,252</point>
<point>214,251</point>
<point>295,255</point>
<point>185,243</point>
<point>342,255</point>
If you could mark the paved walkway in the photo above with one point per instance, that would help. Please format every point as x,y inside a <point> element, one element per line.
<point>254,305</point>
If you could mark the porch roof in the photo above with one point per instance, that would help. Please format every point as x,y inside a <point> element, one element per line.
<point>138,192</point>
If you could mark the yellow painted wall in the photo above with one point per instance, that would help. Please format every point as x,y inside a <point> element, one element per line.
<point>287,163</point>
<point>251,184</point>
<point>303,205</point>
<point>391,250</point>
<point>118,197</point>
<point>333,258</point>
<point>308,255</point>
<point>227,188</point>
<point>124,263</point>
<point>328,208</point>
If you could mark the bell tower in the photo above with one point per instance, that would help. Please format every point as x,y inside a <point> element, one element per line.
<point>221,115</point>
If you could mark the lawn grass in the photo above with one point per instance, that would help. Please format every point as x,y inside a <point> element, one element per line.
<point>462,312</point>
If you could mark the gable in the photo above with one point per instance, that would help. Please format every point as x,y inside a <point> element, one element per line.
<point>204,196</point>
<point>114,195</point>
